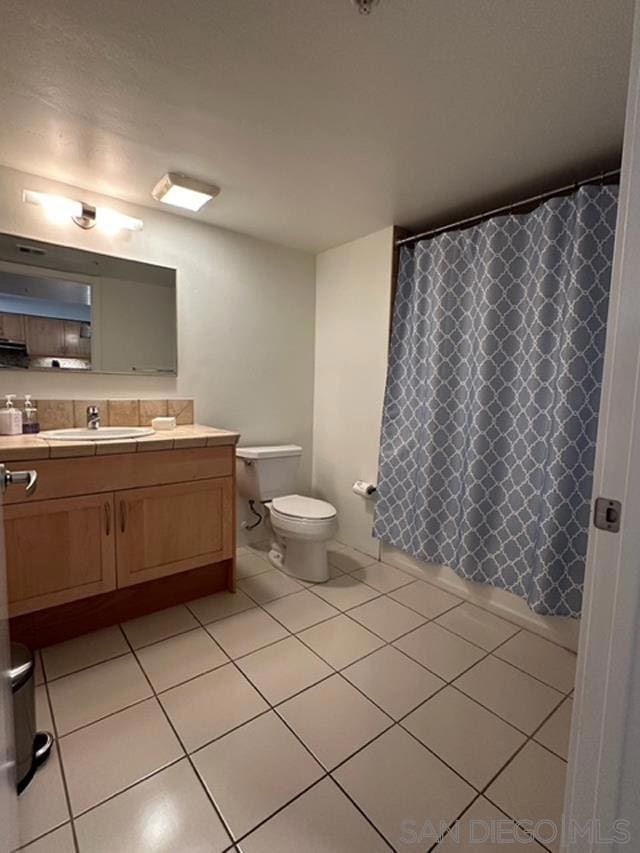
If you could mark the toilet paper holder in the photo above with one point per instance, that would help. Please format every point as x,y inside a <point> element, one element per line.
<point>364,489</point>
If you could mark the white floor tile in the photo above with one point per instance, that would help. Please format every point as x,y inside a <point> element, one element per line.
<point>334,720</point>
<point>159,626</point>
<point>210,705</point>
<point>169,811</point>
<point>382,577</point>
<point>485,829</point>
<point>348,559</point>
<point>44,720</point>
<point>103,759</point>
<point>393,681</point>
<point>300,611</point>
<point>83,651</point>
<point>345,592</point>
<point>340,641</point>
<point>531,789</point>
<point>425,599</point>
<point>322,820</point>
<point>464,735</point>
<point>395,781</point>
<point>43,806</point>
<point>260,549</point>
<point>509,693</point>
<point>268,586</point>
<point>386,618</point>
<point>249,564</point>
<point>478,626</point>
<point>245,632</point>
<point>58,841</point>
<point>544,660</point>
<point>177,659</point>
<point>219,605</point>
<point>285,668</point>
<point>442,652</point>
<point>255,770</point>
<point>555,733</point>
<point>88,695</point>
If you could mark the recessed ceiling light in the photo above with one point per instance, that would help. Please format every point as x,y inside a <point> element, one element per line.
<point>182,191</point>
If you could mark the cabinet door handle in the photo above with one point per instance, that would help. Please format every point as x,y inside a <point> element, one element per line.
<point>107,518</point>
<point>123,516</point>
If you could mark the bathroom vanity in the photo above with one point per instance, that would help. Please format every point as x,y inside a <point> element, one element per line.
<point>115,530</point>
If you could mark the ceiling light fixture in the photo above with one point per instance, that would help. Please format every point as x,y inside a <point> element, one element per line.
<point>365,6</point>
<point>181,191</point>
<point>60,209</point>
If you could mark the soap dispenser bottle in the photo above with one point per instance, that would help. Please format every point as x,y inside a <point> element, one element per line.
<point>30,424</point>
<point>10,418</point>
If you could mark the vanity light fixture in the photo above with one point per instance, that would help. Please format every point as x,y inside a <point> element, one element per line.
<point>60,209</point>
<point>181,191</point>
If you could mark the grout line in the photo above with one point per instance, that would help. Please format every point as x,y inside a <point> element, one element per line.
<point>131,785</point>
<point>485,788</point>
<point>85,668</point>
<point>182,746</point>
<point>275,707</point>
<point>63,737</point>
<point>62,770</point>
<point>452,824</point>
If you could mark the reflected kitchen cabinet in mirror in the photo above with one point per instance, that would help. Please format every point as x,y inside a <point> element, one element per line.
<point>68,309</point>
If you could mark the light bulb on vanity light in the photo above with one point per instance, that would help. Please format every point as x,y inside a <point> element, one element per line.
<point>60,209</point>
<point>112,221</point>
<point>57,208</point>
<point>181,191</point>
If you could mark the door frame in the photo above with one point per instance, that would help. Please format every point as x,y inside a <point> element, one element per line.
<point>8,797</point>
<point>600,782</point>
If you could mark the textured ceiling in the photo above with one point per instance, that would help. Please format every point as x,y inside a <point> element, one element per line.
<point>319,124</point>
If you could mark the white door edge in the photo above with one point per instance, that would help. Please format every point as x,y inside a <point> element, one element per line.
<point>598,779</point>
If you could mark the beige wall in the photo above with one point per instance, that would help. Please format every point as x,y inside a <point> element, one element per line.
<point>353,296</point>
<point>245,318</point>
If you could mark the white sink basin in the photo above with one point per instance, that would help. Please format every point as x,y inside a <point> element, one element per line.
<point>100,434</point>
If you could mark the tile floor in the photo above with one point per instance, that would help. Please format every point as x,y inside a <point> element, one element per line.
<point>374,712</point>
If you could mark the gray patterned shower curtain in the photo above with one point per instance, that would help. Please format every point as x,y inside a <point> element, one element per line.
<point>493,389</point>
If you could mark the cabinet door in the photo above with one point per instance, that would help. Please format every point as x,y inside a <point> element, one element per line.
<point>76,345</point>
<point>167,529</point>
<point>45,336</point>
<point>12,327</point>
<point>58,551</point>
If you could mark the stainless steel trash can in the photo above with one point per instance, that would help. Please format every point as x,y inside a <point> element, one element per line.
<point>32,748</point>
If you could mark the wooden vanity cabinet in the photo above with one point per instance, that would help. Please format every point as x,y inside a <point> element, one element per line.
<point>145,517</point>
<point>169,529</point>
<point>59,550</point>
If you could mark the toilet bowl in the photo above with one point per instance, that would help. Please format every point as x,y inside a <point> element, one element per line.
<point>302,527</point>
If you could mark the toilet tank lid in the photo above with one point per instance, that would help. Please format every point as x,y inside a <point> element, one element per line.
<point>269,451</point>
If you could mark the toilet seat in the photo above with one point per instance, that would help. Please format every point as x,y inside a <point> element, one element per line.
<point>303,508</point>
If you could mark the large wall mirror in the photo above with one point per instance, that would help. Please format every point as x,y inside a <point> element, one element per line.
<point>68,309</point>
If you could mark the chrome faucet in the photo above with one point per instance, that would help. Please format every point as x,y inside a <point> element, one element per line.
<point>93,417</point>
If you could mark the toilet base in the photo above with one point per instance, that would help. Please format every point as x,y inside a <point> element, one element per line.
<point>301,559</point>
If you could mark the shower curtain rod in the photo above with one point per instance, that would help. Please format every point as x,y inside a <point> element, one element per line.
<point>507,208</point>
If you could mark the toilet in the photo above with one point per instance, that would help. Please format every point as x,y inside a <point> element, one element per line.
<point>301,526</point>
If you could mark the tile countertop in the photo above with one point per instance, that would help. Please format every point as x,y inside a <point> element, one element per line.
<point>26,447</point>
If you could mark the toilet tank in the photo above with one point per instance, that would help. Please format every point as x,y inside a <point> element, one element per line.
<point>267,472</point>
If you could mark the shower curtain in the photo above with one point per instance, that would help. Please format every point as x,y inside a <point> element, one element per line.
<point>493,388</point>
